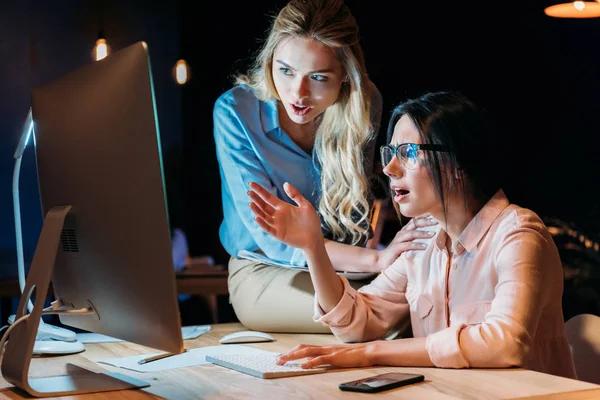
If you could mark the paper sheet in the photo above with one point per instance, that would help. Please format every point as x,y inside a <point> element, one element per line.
<point>90,337</point>
<point>188,359</point>
<point>188,332</point>
<point>192,332</point>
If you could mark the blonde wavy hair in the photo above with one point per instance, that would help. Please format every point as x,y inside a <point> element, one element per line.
<point>345,127</point>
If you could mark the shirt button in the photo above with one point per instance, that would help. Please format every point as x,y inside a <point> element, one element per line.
<point>454,265</point>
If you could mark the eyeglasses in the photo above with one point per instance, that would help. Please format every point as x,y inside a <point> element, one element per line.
<point>407,153</point>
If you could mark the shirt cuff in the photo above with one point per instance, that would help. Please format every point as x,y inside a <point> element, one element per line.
<point>340,314</point>
<point>298,259</point>
<point>444,348</point>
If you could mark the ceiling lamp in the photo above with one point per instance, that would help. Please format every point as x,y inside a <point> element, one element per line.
<point>182,72</point>
<point>101,49</point>
<point>576,9</point>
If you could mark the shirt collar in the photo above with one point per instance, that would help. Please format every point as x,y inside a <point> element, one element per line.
<point>479,225</point>
<point>269,115</point>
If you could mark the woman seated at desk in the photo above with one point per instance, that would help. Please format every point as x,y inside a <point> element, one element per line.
<point>485,293</point>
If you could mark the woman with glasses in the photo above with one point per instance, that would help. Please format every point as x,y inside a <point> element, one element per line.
<point>307,114</point>
<point>485,293</point>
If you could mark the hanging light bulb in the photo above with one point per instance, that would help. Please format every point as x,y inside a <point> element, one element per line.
<point>181,72</point>
<point>576,9</point>
<point>101,48</point>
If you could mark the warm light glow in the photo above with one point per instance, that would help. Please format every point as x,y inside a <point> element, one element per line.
<point>182,72</point>
<point>576,9</point>
<point>554,231</point>
<point>101,49</point>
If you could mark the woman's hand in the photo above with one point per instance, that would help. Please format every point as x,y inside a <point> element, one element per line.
<point>297,226</point>
<point>403,240</point>
<point>337,355</point>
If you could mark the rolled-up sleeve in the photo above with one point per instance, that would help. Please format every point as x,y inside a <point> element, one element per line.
<point>239,166</point>
<point>371,312</point>
<point>505,337</point>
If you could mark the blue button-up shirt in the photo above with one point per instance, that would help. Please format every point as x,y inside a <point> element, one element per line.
<point>252,147</point>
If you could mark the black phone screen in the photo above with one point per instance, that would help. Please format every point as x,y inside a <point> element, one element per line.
<point>382,382</point>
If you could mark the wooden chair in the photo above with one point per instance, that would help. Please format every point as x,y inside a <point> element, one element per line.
<point>201,277</point>
<point>583,333</point>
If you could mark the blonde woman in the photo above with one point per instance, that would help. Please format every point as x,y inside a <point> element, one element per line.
<point>306,113</point>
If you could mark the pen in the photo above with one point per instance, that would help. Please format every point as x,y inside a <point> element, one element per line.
<point>157,357</point>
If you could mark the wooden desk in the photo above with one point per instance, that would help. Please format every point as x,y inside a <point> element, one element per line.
<point>214,382</point>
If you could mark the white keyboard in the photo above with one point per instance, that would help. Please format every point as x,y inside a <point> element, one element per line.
<point>261,365</point>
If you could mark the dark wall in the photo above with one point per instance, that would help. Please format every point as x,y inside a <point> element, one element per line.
<point>42,40</point>
<point>214,51</point>
<point>538,76</point>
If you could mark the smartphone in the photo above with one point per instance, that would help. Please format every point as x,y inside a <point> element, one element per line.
<point>382,382</point>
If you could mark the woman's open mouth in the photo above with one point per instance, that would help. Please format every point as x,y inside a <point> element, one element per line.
<point>400,194</point>
<point>300,110</point>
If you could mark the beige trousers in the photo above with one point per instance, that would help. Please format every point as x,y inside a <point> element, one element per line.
<point>270,298</point>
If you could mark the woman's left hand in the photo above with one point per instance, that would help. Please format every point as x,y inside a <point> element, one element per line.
<point>337,355</point>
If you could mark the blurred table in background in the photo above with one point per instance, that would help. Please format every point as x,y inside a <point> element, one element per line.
<point>199,278</point>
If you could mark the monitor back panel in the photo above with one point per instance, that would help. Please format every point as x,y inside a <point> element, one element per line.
<point>98,150</point>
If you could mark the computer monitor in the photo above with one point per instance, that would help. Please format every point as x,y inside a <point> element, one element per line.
<point>105,242</point>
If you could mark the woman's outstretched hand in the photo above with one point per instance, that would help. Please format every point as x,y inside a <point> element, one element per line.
<point>337,355</point>
<point>297,226</point>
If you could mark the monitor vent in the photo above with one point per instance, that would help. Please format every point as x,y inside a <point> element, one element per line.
<point>68,241</point>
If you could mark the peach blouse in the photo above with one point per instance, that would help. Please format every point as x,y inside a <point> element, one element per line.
<point>496,303</point>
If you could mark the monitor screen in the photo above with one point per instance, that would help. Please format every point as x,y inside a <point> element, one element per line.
<point>98,150</point>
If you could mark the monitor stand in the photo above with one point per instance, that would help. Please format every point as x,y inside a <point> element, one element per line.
<point>50,339</point>
<point>19,349</point>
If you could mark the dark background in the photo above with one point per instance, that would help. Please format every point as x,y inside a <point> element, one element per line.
<point>538,76</point>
